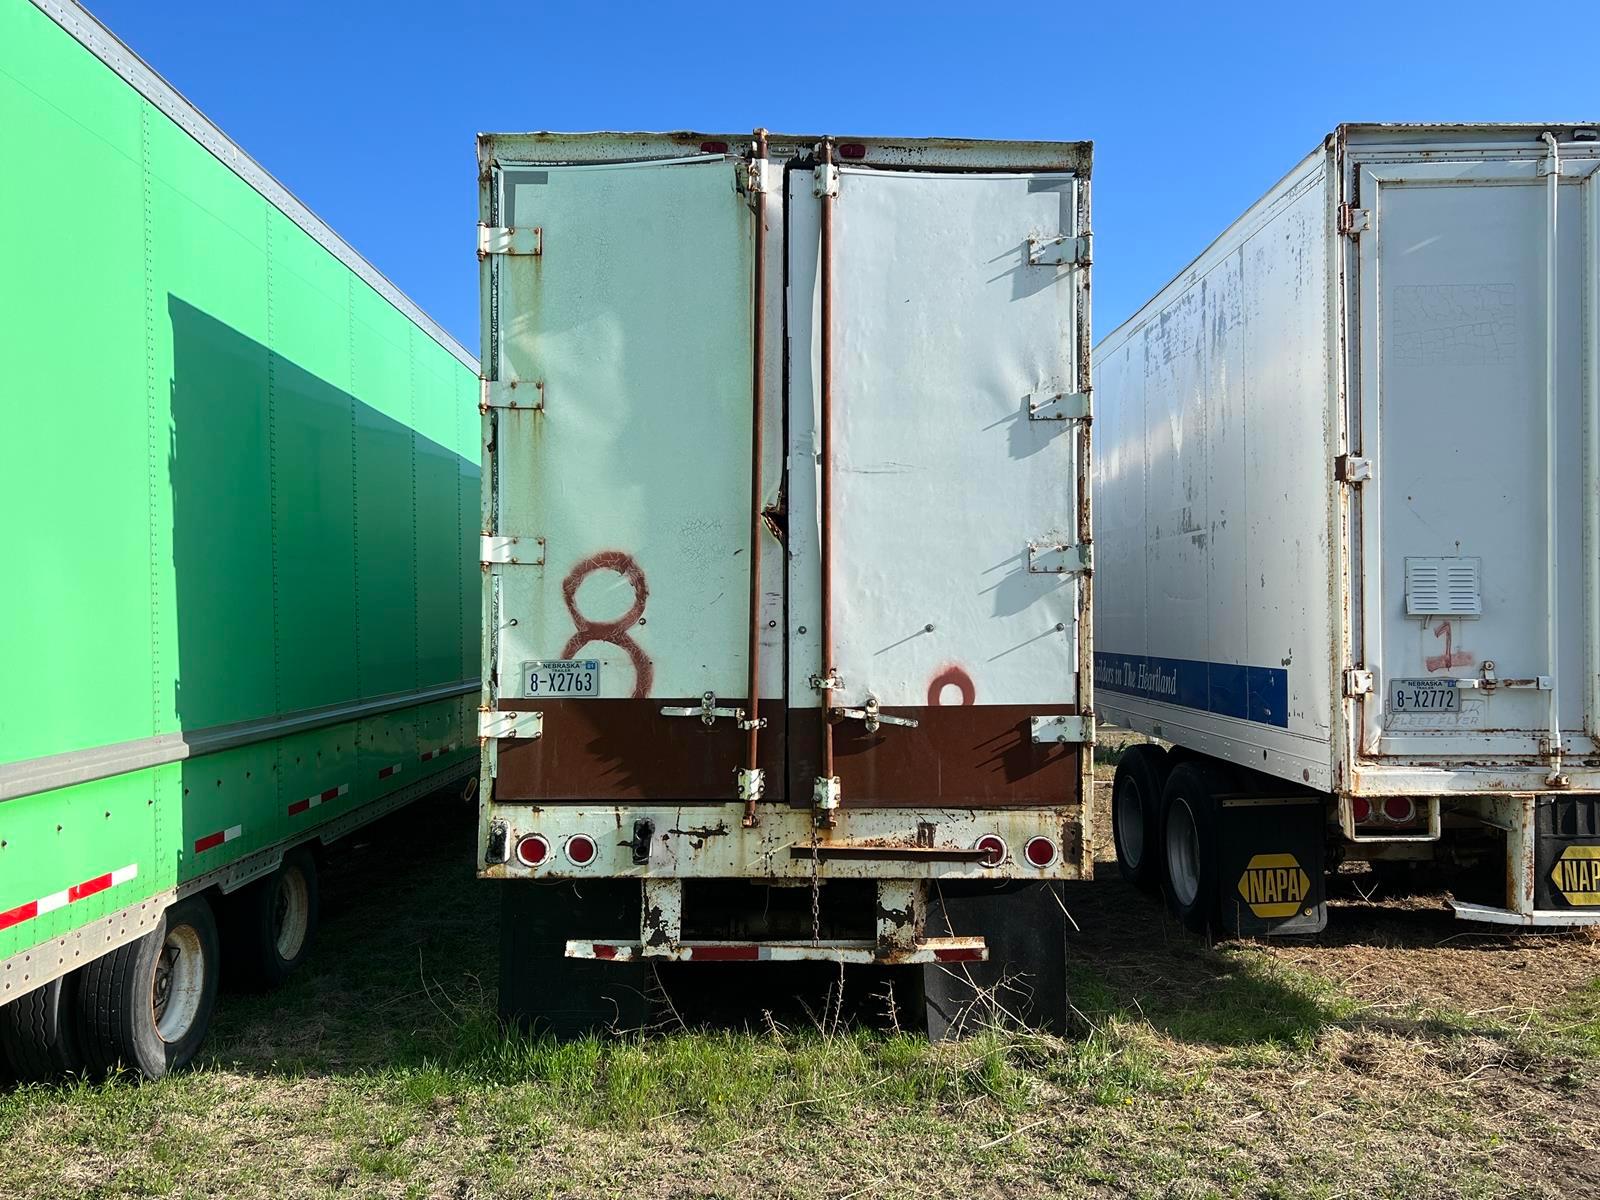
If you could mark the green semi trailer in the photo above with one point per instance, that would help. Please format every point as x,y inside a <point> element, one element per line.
<point>238,516</point>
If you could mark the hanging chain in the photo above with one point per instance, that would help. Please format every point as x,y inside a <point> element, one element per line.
<point>816,889</point>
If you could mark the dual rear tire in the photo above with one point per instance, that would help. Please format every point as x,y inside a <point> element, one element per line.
<point>1164,824</point>
<point>147,1005</point>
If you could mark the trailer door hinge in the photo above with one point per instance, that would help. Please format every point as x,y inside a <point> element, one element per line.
<point>513,240</point>
<point>503,723</point>
<point>524,551</point>
<point>522,394</point>
<point>1352,468</point>
<point>1357,682</point>
<point>1353,222</point>
<point>1058,406</point>
<point>1062,251</point>
<point>825,181</point>
<point>1076,559</point>
<point>1075,729</point>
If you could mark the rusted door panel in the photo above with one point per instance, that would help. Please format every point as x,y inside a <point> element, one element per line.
<point>632,325</point>
<point>623,750</point>
<point>956,757</point>
<point>953,506</point>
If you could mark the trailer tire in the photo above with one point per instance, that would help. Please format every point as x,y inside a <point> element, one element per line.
<point>271,925</point>
<point>1136,814</point>
<point>39,1033</point>
<point>147,1005</point>
<point>1189,851</point>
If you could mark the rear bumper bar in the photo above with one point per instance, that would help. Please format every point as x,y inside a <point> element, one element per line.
<point>928,950</point>
<point>1533,917</point>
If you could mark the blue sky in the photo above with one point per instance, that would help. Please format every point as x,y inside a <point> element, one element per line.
<point>367,110</point>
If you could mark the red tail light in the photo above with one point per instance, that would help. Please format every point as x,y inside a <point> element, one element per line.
<point>852,150</point>
<point>580,849</point>
<point>713,147</point>
<point>1360,810</point>
<point>1399,809</point>
<point>1040,852</point>
<point>994,849</point>
<point>532,850</point>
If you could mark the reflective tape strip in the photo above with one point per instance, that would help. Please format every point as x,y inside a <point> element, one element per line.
<point>78,891</point>
<point>429,755</point>
<point>322,797</point>
<point>391,769</point>
<point>212,840</point>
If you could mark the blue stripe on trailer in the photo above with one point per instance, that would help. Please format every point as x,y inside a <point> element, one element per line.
<point>1258,694</point>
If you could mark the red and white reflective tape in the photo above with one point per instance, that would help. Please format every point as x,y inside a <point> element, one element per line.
<point>55,900</point>
<point>310,802</point>
<point>391,769</point>
<point>938,950</point>
<point>211,840</point>
<point>429,755</point>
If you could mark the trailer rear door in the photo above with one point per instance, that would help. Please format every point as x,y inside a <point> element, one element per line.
<point>1475,305</point>
<point>951,446</point>
<point>621,487</point>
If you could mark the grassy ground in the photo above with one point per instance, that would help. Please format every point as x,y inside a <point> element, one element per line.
<point>1398,1054</point>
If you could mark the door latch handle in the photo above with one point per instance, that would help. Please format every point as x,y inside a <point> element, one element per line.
<point>871,716</point>
<point>708,711</point>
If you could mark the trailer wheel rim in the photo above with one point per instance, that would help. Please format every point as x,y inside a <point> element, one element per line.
<point>1130,821</point>
<point>291,909</point>
<point>1183,852</point>
<point>178,983</point>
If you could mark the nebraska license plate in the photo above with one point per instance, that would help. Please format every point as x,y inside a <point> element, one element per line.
<point>1424,695</point>
<point>575,677</point>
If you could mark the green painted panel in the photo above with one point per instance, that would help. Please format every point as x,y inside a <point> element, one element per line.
<point>71,414</point>
<point>439,533</point>
<point>61,840</point>
<point>386,500</point>
<point>314,473</point>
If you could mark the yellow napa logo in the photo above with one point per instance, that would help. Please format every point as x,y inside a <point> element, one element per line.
<point>1576,875</point>
<point>1273,885</point>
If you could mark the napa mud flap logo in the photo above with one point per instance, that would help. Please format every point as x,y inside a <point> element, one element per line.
<point>1274,885</point>
<point>1576,875</point>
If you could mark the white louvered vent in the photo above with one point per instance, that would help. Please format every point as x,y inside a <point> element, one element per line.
<point>1443,587</point>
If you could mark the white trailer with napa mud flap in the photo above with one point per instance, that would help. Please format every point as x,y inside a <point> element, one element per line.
<point>786,559</point>
<point>1348,509</point>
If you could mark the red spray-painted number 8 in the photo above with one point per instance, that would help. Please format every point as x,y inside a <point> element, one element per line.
<point>614,633</point>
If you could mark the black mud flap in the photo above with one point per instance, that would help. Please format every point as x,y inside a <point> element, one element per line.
<point>1270,872</point>
<point>1566,854</point>
<point>542,991</point>
<point>1024,981</point>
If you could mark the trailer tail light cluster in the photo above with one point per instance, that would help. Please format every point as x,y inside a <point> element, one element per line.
<point>533,849</point>
<point>994,849</point>
<point>1391,810</point>
<point>1040,852</point>
<point>852,150</point>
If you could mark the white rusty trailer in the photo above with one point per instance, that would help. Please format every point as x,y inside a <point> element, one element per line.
<point>1348,508</point>
<point>786,551</point>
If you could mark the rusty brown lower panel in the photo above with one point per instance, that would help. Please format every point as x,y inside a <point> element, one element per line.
<point>958,756</point>
<point>621,750</point>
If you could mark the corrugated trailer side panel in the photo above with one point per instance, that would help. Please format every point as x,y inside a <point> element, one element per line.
<point>1213,608</point>
<point>231,463</point>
